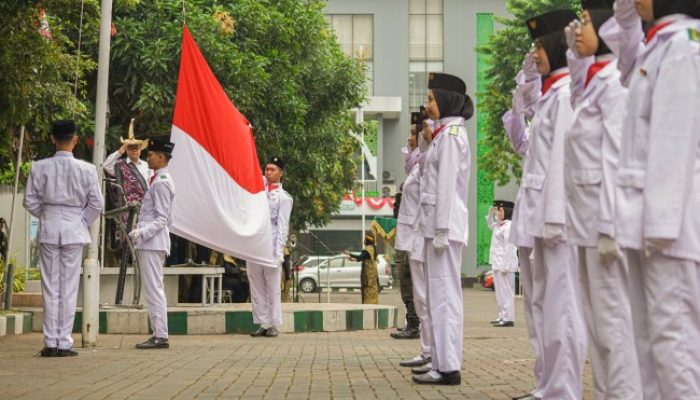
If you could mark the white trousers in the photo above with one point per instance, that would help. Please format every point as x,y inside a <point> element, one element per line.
<point>151,264</point>
<point>606,307</point>
<point>265,294</point>
<point>668,333</point>
<point>445,305</point>
<point>504,282</point>
<point>420,301</point>
<point>533,331</point>
<point>556,309</point>
<point>60,277</point>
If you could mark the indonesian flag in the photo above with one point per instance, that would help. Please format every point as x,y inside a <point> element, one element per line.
<point>220,199</point>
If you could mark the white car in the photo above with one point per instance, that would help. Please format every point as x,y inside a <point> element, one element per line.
<point>340,271</point>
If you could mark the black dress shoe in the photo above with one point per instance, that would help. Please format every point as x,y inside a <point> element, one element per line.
<point>49,352</point>
<point>496,321</point>
<point>271,332</point>
<point>260,332</point>
<point>406,334</point>
<point>422,370</point>
<point>439,378</point>
<point>67,353</point>
<point>418,361</point>
<point>153,343</point>
<point>504,324</point>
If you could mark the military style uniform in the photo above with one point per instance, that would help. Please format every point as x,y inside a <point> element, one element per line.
<point>64,195</point>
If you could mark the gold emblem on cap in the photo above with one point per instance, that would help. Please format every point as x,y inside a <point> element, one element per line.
<point>532,23</point>
<point>431,77</point>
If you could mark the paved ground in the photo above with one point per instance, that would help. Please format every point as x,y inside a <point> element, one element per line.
<point>342,365</point>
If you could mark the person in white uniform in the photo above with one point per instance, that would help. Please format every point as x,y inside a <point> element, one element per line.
<point>658,188</point>
<point>64,195</point>
<point>132,147</point>
<point>556,299</point>
<point>591,153</point>
<point>151,238</point>
<point>264,281</point>
<point>406,236</point>
<point>503,257</point>
<point>443,223</point>
<point>525,96</point>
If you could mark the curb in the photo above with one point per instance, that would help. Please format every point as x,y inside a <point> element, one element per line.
<point>15,324</point>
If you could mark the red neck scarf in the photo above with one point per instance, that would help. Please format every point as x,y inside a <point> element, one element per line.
<point>551,81</point>
<point>437,131</point>
<point>273,186</point>
<point>594,69</point>
<point>150,181</point>
<point>654,30</point>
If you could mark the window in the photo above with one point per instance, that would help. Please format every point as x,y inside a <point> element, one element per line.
<point>425,47</point>
<point>355,34</point>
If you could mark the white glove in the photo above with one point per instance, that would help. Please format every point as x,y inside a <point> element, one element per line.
<point>135,237</point>
<point>553,234</point>
<point>656,245</point>
<point>570,33</point>
<point>625,13</point>
<point>608,250</point>
<point>530,68</point>
<point>440,240</point>
<point>517,103</point>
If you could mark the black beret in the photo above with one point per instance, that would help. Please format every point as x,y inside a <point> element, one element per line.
<point>161,144</point>
<point>277,161</point>
<point>597,4</point>
<point>503,203</point>
<point>417,118</point>
<point>437,80</point>
<point>550,22</point>
<point>63,128</point>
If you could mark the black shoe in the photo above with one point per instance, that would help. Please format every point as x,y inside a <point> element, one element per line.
<point>504,324</point>
<point>49,352</point>
<point>154,343</point>
<point>408,333</point>
<point>439,378</point>
<point>67,353</point>
<point>271,332</point>
<point>496,321</point>
<point>422,370</point>
<point>417,361</point>
<point>528,396</point>
<point>260,332</point>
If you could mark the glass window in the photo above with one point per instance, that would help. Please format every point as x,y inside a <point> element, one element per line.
<point>418,81</point>
<point>425,37</point>
<point>355,35</point>
<point>425,7</point>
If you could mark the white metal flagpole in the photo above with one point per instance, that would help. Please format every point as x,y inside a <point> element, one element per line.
<point>91,268</point>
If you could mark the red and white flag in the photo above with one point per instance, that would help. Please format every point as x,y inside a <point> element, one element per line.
<point>220,199</point>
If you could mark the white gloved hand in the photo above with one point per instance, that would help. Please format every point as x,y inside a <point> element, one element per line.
<point>626,14</point>
<point>656,245</point>
<point>440,241</point>
<point>570,33</point>
<point>553,234</point>
<point>530,67</point>
<point>608,250</point>
<point>135,237</point>
<point>517,103</point>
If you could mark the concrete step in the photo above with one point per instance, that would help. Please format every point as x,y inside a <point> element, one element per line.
<point>238,318</point>
<point>15,323</point>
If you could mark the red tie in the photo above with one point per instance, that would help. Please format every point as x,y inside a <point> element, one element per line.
<point>551,81</point>
<point>594,69</point>
<point>150,181</point>
<point>654,30</point>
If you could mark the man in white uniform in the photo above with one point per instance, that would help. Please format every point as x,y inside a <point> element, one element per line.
<point>658,188</point>
<point>443,222</point>
<point>152,240</point>
<point>64,195</point>
<point>265,293</point>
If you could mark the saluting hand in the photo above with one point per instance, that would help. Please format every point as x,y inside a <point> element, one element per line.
<point>570,33</point>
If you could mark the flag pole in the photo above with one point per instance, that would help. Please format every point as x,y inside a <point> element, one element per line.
<point>91,268</point>
<point>10,270</point>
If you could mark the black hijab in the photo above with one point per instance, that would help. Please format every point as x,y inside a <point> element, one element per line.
<point>453,104</point>
<point>598,18</point>
<point>554,45</point>
<point>663,8</point>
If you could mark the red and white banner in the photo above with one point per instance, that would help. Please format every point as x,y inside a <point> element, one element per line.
<point>220,199</point>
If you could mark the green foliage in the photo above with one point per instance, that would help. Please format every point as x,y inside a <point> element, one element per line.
<point>18,282</point>
<point>278,62</point>
<point>38,74</point>
<point>506,50</point>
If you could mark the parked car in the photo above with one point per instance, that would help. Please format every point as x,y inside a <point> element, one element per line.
<point>340,271</point>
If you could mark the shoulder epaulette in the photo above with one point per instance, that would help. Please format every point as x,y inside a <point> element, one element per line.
<point>694,35</point>
<point>454,130</point>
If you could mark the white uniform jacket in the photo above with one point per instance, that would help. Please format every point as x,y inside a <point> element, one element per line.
<point>444,185</point>
<point>408,211</point>
<point>543,192</point>
<point>280,203</point>
<point>503,255</point>
<point>659,169</point>
<point>591,153</point>
<point>141,165</point>
<point>156,214</point>
<point>63,193</point>
<point>410,158</point>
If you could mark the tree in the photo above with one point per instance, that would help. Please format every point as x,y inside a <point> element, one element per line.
<point>507,49</point>
<point>278,62</point>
